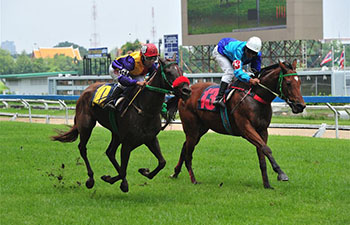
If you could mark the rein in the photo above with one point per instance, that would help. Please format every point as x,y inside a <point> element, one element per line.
<point>162,90</point>
<point>280,79</point>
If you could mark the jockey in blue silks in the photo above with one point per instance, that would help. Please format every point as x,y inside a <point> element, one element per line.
<point>231,55</point>
<point>130,70</point>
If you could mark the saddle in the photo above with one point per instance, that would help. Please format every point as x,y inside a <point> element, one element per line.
<point>103,95</point>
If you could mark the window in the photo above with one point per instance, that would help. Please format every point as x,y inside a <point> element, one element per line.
<point>316,85</point>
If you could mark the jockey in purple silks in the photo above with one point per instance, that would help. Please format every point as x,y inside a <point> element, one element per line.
<point>130,70</point>
<point>231,55</point>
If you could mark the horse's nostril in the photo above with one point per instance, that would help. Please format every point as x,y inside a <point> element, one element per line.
<point>302,106</point>
<point>186,91</point>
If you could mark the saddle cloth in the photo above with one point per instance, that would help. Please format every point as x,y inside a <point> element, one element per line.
<point>208,96</point>
<point>102,94</point>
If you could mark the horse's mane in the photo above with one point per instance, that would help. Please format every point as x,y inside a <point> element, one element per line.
<point>265,70</point>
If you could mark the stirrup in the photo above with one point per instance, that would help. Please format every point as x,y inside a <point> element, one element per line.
<point>109,105</point>
<point>219,103</point>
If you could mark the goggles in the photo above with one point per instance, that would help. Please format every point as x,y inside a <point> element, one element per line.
<point>151,58</point>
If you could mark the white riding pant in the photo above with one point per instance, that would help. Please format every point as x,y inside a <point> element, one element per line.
<point>225,65</point>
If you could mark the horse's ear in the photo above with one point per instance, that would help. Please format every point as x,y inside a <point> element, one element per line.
<point>161,60</point>
<point>294,65</point>
<point>174,57</point>
<point>282,65</point>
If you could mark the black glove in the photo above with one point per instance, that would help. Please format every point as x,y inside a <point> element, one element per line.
<point>124,72</point>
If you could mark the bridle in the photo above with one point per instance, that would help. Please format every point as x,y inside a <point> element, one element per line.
<point>279,85</point>
<point>175,83</point>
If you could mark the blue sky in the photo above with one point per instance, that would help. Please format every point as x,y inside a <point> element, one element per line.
<point>45,23</point>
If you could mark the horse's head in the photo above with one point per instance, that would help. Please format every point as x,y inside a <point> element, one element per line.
<point>173,78</point>
<point>289,87</point>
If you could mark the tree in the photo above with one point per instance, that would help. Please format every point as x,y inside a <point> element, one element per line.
<point>39,65</point>
<point>23,64</point>
<point>7,63</point>
<point>61,63</point>
<point>130,47</point>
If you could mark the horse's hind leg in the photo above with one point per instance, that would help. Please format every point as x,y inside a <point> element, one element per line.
<point>155,149</point>
<point>190,144</point>
<point>85,133</point>
<point>267,151</point>
<point>110,152</point>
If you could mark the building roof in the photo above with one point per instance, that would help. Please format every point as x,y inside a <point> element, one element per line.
<point>31,75</point>
<point>51,52</point>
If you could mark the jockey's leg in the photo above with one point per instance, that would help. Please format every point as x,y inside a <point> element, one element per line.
<point>219,100</point>
<point>111,103</point>
<point>226,66</point>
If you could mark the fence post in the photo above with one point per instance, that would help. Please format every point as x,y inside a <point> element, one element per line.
<point>65,106</point>
<point>26,104</point>
<point>336,118</point>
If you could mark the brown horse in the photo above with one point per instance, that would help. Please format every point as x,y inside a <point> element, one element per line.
<point>247,117</point>
<point>139,125</point>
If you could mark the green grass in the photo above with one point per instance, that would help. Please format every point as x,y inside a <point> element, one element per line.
<point>32,191</point>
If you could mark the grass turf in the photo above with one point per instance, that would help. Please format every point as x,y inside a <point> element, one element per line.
<point>42,182</point>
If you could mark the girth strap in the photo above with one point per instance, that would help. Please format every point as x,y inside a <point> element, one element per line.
<point>225,120</point>
<point>113,122</point>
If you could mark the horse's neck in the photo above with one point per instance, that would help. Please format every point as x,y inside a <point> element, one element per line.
<point>152,101</point>
<point>269,80</point>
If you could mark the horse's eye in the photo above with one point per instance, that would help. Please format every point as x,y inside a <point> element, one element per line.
<point>289,83</point>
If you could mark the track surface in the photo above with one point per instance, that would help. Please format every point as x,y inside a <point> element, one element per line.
<point>343,134</point>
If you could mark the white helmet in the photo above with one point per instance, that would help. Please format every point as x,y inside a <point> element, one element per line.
<point>254,44</point>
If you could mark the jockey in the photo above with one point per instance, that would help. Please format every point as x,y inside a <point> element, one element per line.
<point>231,55</point>
<point>130,70</point>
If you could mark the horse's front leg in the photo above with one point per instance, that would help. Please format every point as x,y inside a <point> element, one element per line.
<point>153,146</point>
<point>253,137</point>
<point>125,155</point>
<point>267,151</point>
<point>178,167</point>
<point>259,140</point>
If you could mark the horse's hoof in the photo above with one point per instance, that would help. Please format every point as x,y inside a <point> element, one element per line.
<point>106,178</point>
<point>282,177</point>
<point>90,183</point>
<point>268,187</point>
<point>173,175</point>
<point>124,187</point>
<point>144,171</point>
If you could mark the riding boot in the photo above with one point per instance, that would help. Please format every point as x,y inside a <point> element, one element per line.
<point>219,100</point>
<point>111,103</point>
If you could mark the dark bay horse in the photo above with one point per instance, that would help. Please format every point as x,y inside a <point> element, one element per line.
<point>139,125</point>
<point>247,117</point>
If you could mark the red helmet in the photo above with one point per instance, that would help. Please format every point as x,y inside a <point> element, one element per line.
<point>149,50</point>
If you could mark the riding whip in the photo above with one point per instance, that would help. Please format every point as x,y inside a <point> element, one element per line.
<point>132,100</point>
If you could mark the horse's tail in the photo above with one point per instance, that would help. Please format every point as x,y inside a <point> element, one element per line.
<point>68,136</point>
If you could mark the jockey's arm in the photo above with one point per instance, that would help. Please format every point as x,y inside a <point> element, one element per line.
<point>241,75</point>
<point>238,71</point>
<point>256,62</point>
<point>125,63</point>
